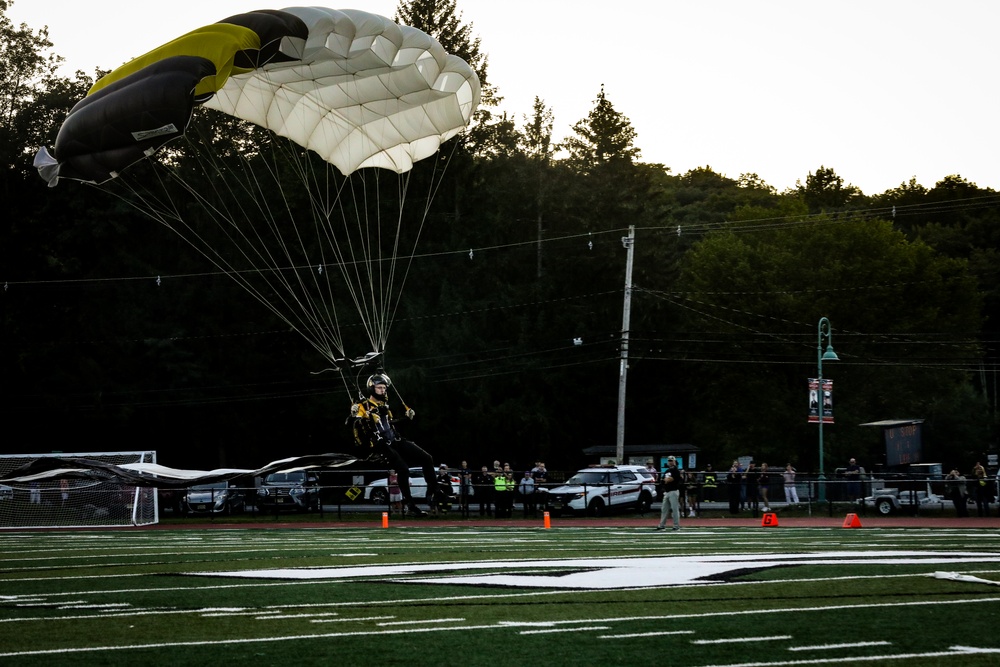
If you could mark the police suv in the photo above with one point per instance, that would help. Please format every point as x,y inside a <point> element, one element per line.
<point>603,488</point>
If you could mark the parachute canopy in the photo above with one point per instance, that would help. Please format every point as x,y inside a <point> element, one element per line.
<point>355,88</point>
<point>151,474</point>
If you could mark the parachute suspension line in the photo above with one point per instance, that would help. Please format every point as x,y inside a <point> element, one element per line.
<point>434,184</point>
<point>365,272</point>
<point>210,190</point>
<point>254,232</point>
<point>345,253</point>
<point>315,291</point>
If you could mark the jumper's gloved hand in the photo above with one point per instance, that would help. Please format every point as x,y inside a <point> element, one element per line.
<point>410,414</point>
<point>355,409</point>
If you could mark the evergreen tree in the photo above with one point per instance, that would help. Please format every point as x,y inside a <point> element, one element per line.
<point>604,137</point>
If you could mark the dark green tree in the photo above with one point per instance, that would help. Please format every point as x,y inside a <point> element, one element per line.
<point>906,322</point>
<point>826,191</point>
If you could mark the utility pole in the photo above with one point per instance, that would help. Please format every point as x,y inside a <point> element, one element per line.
<point>629,243</point>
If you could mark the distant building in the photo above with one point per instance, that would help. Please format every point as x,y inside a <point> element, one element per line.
<point>686,454</point>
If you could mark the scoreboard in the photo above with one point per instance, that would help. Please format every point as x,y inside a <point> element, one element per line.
<point>903,444</point>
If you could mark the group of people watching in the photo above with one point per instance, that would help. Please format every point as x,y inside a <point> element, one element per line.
<point>495,489</point>
<point>978,487</point>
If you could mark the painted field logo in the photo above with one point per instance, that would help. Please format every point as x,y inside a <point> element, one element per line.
<point>602,574</point>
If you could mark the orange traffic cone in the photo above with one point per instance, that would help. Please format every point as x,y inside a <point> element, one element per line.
<point>770,519</point>
<point>385,519</point>
<point>852,521</point>
<point>548,522</point>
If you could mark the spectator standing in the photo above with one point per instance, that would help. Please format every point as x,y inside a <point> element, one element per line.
<point>958,492</point>
<point>465,488</point>
<point>709,482</point>
<point>539,473</point>
<point>983,491</point>
<point>788,478</point>
<point>691,492</point>
<point>651,469</point>
<point>395,493</point>
<point>445,491</point>
<point>751,477</point>
<point>483,482</point>
<point>743,485</point>
<point>734,485</point>
<point>503,487</point>
<point>527,490</point>
<point>764,486</point>
<point>852,473</point>
<point>670,488</point>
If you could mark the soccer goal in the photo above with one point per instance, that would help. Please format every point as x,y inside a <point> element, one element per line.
<point>76,503</point>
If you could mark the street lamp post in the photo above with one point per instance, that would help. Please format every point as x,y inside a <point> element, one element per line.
<point>826,330</point>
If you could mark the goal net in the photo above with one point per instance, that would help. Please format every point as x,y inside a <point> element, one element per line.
<point>76,503</point>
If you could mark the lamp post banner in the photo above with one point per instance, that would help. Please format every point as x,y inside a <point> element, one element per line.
<point>819,405</point>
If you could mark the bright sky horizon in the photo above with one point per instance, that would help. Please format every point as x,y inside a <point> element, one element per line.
<point>880,91</point>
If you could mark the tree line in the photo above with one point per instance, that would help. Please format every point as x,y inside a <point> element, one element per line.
<point>508,340</point>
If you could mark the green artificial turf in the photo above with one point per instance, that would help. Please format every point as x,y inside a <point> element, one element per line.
<point>497,596</point>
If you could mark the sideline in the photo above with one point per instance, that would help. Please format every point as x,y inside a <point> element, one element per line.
<point>648,521</point>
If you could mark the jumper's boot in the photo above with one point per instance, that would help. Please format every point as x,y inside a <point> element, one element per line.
<point>413,510</point>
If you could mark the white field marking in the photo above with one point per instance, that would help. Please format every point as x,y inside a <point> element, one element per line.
<point>84,576</point>
<point>553,624</point>
<point>962,649</point>
<point>350,620</point>
<point>828,647</point>
<point>109,606</point>
<point>974,649</point>
<point>554,630</point>
<point>955,651</point>
<point>492,596</point>
<point>755,612</point>
<point>647,634</point>
<point>273,616</point>
<point>429,620</point>
<point>729,640</point>
<point>237,612</point>
<point>530,624</point>
<point>133,556</point>
<point>355,555</point>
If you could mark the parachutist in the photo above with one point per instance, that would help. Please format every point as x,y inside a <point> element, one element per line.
<point>374,432</point>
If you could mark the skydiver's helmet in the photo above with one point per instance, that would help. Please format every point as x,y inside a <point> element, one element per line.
<point>377,379</point>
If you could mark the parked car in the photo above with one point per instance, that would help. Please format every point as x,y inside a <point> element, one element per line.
<point>289,490</point>
<point>378,491</point>
<point>600,489</point>
<point>214,498</point>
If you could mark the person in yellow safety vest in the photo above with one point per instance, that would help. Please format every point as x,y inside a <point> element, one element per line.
<point>708,484</point>
<point>503,487</point>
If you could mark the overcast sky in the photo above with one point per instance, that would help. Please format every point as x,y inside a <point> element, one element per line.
<point>879,90</point>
